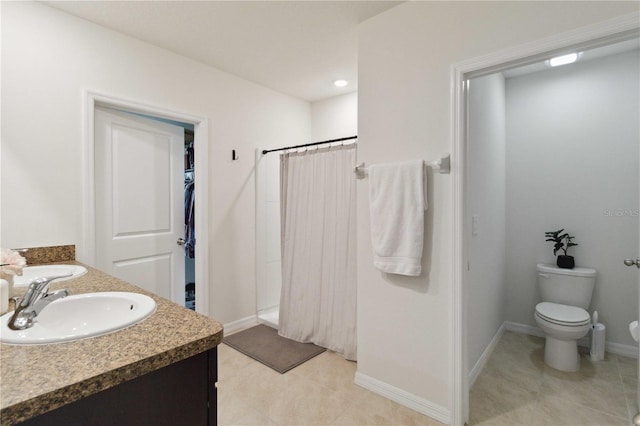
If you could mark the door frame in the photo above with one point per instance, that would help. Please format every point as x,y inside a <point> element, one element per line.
<point>600,34</point>
<point>86,251</point>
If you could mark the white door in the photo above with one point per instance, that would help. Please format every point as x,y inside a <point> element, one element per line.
<point>139,169</point>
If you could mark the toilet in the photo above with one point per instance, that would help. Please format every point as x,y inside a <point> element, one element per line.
<point>562,315</point>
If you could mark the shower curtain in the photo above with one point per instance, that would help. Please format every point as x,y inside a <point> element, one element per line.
<point>318,214</point>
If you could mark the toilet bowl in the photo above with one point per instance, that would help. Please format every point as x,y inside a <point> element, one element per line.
<point>563,325</point>
<point>562,315</point>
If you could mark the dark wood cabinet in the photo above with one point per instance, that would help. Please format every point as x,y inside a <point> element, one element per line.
<point>183,393</point>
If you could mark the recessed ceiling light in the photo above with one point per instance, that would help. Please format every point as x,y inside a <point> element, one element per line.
<point>340,83</point>
<point>564,59</point>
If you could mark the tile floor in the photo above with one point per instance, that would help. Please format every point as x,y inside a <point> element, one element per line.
<point>319,392</point>
<point>517,388</point>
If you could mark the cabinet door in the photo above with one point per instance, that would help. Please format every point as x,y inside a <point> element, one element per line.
<point>182,393</point>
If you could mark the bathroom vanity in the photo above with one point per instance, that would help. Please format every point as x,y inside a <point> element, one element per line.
<point>162,370</point>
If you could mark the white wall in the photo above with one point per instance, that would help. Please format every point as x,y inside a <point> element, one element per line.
<point>335,117</point>
<point>486,192</point>
<point>49,58</point>
<point>331,118</point>
<point>404,104</point>
<point>572,162</point>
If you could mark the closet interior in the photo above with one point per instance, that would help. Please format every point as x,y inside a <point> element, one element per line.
<point>189,221</point>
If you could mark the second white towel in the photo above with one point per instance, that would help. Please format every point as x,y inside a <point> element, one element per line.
<point>398,199</point>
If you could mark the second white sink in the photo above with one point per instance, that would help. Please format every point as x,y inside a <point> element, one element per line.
<point>81,316</point>
<point>29,273</point>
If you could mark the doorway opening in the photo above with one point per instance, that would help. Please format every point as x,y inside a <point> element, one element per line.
<point>189,219</point>
<point>188,241</point>
<point>193,154</point>
<point>535,136</point>
<point>613,31</point>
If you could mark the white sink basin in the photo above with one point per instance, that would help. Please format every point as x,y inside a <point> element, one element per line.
<point>81,316</point>
<point>31,272</point>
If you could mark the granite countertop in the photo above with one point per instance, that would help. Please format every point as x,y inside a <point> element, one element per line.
<point>35,379</point>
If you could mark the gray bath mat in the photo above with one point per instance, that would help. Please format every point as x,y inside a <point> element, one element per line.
<point>263,344</point>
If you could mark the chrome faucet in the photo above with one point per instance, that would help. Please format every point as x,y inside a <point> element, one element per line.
<point>34,301</point>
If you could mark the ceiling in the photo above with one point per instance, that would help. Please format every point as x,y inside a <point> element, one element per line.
<point>295,47</point>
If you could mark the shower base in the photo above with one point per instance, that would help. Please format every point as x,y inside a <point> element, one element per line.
<point>269,316</point>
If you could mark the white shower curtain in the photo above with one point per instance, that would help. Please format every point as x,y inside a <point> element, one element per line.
<point>318,298</point>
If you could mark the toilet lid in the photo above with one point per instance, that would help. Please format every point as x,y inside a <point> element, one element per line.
<point>562,314</point>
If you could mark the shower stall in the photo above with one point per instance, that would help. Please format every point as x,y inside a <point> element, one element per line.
<point>305,229</point>
<point>268,249</point>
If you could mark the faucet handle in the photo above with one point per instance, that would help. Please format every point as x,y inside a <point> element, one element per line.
<point>38,288</point>
<point>40,283</point>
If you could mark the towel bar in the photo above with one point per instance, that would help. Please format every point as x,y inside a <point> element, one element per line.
<point>360,170</point>
<point>442,165</point>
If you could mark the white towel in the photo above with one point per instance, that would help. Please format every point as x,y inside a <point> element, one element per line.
<point>398,199</point>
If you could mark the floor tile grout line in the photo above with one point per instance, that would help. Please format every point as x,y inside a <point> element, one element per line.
<point>631,411</point>
<point>599,411</point>
<point>615,381</point>
<point>309,380</point>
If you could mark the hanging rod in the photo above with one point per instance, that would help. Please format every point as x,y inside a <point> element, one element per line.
<point>266,151</point>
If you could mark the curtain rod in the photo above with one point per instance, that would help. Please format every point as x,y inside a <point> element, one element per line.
<point>266,151</point>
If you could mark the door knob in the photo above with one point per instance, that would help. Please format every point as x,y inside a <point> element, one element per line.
<point>631,262</point>
<point>181,242</point>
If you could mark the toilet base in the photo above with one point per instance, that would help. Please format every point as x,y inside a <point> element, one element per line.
<point>561,354</point>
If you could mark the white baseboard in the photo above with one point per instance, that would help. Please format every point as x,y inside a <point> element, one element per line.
<point>267,322</point>
<point>482,361</point>
<point>403,397</point>
<point>523,328</point>
<point>630,351</point>
<point>239,325</point>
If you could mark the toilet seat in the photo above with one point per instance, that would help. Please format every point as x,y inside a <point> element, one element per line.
<point>564,315</point>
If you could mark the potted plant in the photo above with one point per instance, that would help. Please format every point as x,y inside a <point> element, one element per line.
<point>562,241</point>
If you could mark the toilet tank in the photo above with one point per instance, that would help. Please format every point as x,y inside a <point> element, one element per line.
<point>572,287</point>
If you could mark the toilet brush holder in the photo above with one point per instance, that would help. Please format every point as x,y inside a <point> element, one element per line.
<point>597,341</point>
